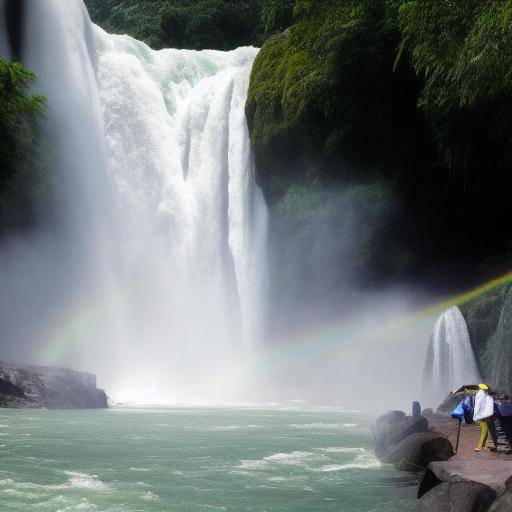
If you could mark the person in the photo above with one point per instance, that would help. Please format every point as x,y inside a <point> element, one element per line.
<point>484,414</point>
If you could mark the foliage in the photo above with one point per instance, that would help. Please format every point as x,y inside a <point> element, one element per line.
<point>195,24</point>
<point>276,15</point>
<point>416,92</point>
<point>328,88</point>
<point>482,315</point>
<point>20,177</point>
<point>462,52</point>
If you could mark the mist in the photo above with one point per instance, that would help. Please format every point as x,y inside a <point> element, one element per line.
<point>160,270</point>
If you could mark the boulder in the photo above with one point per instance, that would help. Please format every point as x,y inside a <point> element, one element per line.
<point>504,502</point>
<point>397,433</point>
<point>385,424</point>
<point>465,496</point>
<point>416,451</point>
<point>407,427</point>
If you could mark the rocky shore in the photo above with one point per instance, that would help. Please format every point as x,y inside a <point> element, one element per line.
<point>463,482</point>
<point>48,388</point>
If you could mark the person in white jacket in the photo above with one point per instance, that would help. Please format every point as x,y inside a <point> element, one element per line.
<point>483,412</point>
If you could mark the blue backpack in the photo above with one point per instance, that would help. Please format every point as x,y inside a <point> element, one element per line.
<point>464,410</point>
<point>458,412</point>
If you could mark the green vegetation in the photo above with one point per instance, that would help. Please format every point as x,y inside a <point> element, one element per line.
<point>489,321</point>
<point>412,93</point>
<point>482,315</point>
<point>195,24</point>
<point>22,177</point>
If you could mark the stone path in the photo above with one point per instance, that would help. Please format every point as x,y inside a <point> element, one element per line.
<point>487,467</point>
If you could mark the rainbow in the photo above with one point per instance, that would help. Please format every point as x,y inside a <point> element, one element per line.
<point>349,335</point>
<point>69,328</point>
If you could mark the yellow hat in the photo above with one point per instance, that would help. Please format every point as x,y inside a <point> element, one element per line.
<point>484,387</point>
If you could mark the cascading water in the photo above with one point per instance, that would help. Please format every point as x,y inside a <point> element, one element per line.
<point>163,222</point>
<point>449,361</point>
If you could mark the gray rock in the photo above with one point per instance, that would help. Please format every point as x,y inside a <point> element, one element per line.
<point>504,502</point>
<point>385,424</point>
<point>411,425</point>
<point>397,433</point>
<point>416,451</point>
<point>457,497</point>
<point>49,388</point>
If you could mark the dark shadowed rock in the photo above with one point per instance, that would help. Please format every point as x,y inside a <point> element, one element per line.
<point>50,388</point>
<point>457,497</point>
<point>417,450</point>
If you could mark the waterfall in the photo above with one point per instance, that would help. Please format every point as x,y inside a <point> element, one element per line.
<point>159,261</point>
<point>449,361</point>
<point>497,355</point>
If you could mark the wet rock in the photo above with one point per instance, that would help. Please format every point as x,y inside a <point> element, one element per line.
<point>465,496</point>
<point>416,451</point>
<point>396,433</point>
<point>504,502</point>
<point>385,424</point>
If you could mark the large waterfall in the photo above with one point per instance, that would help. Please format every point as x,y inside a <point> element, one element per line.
<point>450,361</point>
<point>155,279</point>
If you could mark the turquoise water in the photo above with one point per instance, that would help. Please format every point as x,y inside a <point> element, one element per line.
<point>193,459</point>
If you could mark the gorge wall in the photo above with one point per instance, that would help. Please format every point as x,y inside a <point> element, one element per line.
<point>48,388</point>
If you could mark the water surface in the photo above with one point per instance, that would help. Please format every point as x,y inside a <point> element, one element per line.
<point>193,459</point>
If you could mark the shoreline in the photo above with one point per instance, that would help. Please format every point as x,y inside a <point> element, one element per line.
<point>466,481</point>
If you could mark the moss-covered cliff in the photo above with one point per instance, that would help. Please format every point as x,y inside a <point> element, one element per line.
<point>489,320</point>
<point>365,92</point>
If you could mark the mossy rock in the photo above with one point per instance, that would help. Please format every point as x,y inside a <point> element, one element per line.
<point>482,315</point>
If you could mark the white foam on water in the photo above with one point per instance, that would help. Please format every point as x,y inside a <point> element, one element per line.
<point>237,427</point>
<point>295,458</point>
<point>342,449</point>
<point>363,461</point>
<point>292,458</point>
<point>150,496</point>
<point>320,426</point>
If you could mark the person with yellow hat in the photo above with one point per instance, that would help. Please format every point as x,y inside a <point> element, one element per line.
<point>484,414</point>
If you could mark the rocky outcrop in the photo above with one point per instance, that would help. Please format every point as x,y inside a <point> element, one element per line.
<point>464,496</point>
<point>391,429</point>
<point>416,451</point>
<point>49,388</point>
<point>385,424</point>
<point>504,502</point>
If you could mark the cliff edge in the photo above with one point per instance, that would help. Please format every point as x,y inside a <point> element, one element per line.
<point>48,388</point>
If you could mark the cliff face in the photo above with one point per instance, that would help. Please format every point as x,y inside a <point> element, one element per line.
<point>51,388</point>
<point>489,321</point>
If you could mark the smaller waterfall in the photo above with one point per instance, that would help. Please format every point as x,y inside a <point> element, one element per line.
<point>449,361</point>
<point>497,355</point>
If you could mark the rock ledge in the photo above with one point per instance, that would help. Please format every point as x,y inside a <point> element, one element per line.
<point>48,388</point>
